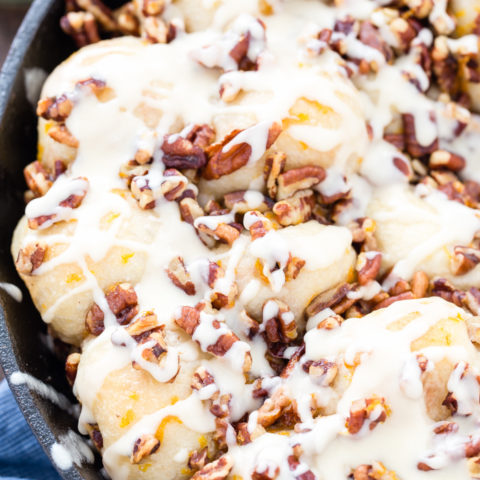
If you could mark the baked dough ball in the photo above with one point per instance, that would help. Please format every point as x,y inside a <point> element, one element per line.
<point>420,233</point>
<point>329,261</point>
<point>314,133</point>
<point>116,397</point>
<point>390,375</point>
<point>80,264</point>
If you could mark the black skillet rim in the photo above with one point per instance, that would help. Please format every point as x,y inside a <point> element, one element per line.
<point>8,75</point>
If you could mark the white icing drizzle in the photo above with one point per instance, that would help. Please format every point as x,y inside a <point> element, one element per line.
<point>12,290</point>
<point>42,389</point>
<point>71,449</point>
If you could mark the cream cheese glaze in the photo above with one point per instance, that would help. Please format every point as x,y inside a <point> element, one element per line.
<point>212,207</point>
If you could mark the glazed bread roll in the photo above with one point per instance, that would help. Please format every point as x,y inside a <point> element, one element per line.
<point>426,232</point>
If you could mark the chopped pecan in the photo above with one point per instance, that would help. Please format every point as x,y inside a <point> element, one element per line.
<point>217,470</point>
<point>445,428</point>
<point>61,134</point>
<point>396,139</point>
<point>71,367</point>
<point>220,407</point>
<point>388,301</point>
<point>142,192</point>
<point>404,33</point>
<point>30,258</point>
<point>96,436</point>
<point>335,298</point>
<point>371,36</point>
<point>223,162</point>
<point>377,471</point>
<point>143,447</point>
<point>132,169</point>
<point>123,302</point>
<point>420,284</point>
<point>179,152</point>
<point>368,266</point>
<point>189,319</point>
<point>55,108</point>
<point>37,178</point>
<point>220,299</point>
<point>94,320</point>
<point>201,135</point>
<point>361,410</point>
<point>201,379</point>
<point>297,179</point>
<point>324,370</point>
<point>146,322</point>
<point>363,233</point>
<point>257,224</point>
<point>448,160</point>
<point>281,327</point>
<point>155,30</point>
<point>223,232</point>
<point>190,210</point>
<point>240,202</point>
<point>267,472</point>
<point>293,268</point>
<point>101,12</point>
<point>295,209</point>
<point>173,185</point>
<point>143,156</point>
<point>331,322</point>
<point>273,408</point>
<point>198,459</point>
<point>413,147</point>
<point>127,20</point>
<point>274,166</point>
<point>155,347</point>
<point>464,259</point>
<point>179,275</point>
<point>81,26</point>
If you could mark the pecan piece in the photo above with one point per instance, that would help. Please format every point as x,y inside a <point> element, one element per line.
<point>223,162</point>
<point>336,299</point>
<point>179,275</point>
<point>71,367</point>
<point>30,258</point>
<point>388,301</point>
<point>123,302</point>
<point>145,323</point>
<point>94,320</point>
<point>143,447</point>
<point>174,184</point>
<point>293,268</point>
<point>368,265</point>
<point>414,148</point>
<point>37,178</point>
<point>198,459</point>
<point>223,232</point>
<point>153,7</point>
<point>242,200</point>
<point>296,179</point>
<point>464,259</point>
<point>420,284</point>
<point>179,152</point>
<point>257,224</point>
<point>324,370</point>
<point>295,209</point>
<point>142,192</point>
<point>279,321</point>
<point>361,410</point>
<point>101,12</point>
<point>217,470</point>
<point>190,210</point>
<point>55,108</point>
<point>61,134</point>
<point>274,166</point>
<point>95,435</point>
<point>81,26</point>
<point>448,160</point>
<point>273,408</point>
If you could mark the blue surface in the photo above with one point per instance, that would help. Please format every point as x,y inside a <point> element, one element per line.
<point>21,456</point>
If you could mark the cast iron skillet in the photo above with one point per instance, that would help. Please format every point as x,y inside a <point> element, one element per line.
<point>39,44</point>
